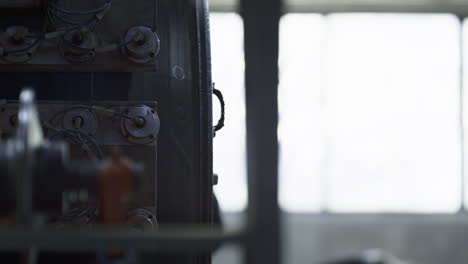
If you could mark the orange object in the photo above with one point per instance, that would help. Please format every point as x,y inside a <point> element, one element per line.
<point>115,185</point>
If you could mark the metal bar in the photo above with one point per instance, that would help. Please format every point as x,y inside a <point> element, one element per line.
<point>261,29</point>
<point>190,240</point>
<point>460,9</point>
<point>335,7</point>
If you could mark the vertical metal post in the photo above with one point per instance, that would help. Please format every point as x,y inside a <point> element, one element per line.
<point>261,27</point>
<point>462,114</point>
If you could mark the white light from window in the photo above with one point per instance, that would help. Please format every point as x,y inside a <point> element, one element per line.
<point>300,112</point>
<point>382,107</point>
<point>229,145</point>
<point>465,106</point>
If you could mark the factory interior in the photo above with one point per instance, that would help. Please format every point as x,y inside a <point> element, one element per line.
<point>233,131</point>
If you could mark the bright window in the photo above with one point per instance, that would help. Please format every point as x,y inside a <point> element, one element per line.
<point>300,106</point>
<point>375,100</point>
<point>369,113</point>
<point>227,47</point>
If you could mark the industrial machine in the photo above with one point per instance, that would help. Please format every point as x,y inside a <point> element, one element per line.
<point>113,127</point>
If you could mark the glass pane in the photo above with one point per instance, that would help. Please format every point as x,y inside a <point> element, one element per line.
<point>300,130</point>
<point>392,108</point>
<point>369,113</point>
<point>229,145</point>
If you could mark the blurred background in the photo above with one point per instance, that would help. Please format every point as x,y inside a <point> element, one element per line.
<point>371,128</point>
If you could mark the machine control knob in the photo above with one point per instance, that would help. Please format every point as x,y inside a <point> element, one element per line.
<point>143,45</point>
<point>78,46</point>
<point>82,120</point>
<point>17,45</point>
<point>141,126</point>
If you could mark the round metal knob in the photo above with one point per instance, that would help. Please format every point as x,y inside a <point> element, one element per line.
<point>142,126</point>
<point>142,220</point>
<point>77,46</point>
<point>143,45</point>
<point>15,39</point>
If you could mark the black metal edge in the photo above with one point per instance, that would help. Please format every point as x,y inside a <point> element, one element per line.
<point>203,98</point>
<point>205,102</point>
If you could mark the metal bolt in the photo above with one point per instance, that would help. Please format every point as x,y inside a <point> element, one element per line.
<point>139,38</point>
<point>139,122</point>
<point>78,122</point>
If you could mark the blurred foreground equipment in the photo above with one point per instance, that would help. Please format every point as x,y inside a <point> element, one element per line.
<point>39,177</point>
<point>37,173</point>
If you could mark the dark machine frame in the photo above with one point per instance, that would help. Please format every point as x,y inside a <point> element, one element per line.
<point>261,237</point>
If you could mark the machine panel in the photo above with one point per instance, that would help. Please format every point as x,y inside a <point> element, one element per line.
<point>92,130</point>
<point>85,35</point>
<point>125,70</point>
